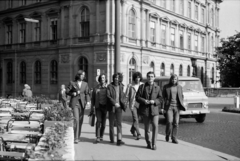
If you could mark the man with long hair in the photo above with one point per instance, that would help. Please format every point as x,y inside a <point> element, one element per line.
<point>79,92</point>
<point>173,103</point>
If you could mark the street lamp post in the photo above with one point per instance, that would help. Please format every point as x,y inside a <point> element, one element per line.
<point>117,37</point>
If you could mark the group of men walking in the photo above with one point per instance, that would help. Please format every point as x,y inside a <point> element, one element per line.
<point>143,99</point>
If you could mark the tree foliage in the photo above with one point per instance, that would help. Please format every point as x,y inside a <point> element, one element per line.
<point>229,61</point>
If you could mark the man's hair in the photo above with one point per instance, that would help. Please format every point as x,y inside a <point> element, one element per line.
<point>135,75</point>
<point>115,75</point>
<point>100,78</point>
<point>77,76</point>
<point>172,77</point>
<point>151,72</point>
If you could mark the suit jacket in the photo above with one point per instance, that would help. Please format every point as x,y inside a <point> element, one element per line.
<point>80,100</point>
<point>111,97</point>
<point>167,97</point>
<point>62,96</point>
<point>142,95</point>
<point>95,96</point>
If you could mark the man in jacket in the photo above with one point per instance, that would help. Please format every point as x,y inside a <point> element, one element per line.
<point>149,96</point>
<point>79,92</point>
<point>115,104</point>
<point>63,96</point>
<point>173,103</point>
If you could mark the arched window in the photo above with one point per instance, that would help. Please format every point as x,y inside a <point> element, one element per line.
<point>23,75</point>
<point>85,22</point>
<point>132,68</point>
<point>132,24</point>
<point>38,72</point>
<point>202,75</point>
<point>162,70</point>
<point>9,73</point>
<point>152,66</point>
<point>212,75</point>
<point>83,65</point>
<point>188,71</point>
<point>172,69</point>
<point>53,72</point>
<point>180,70</point>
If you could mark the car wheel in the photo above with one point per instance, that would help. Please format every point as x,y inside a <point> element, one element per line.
<point>201,118</point>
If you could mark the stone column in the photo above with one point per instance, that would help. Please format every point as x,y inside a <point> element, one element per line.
<point>107,22</point>
<point>123,26</point>
<point>142,26</point>
<point>147,27</point>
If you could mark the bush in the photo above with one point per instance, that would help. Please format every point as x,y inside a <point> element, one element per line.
<point>231,109</point>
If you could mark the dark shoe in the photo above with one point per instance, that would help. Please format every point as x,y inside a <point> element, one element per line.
<point>111,141</point>
<point>175,141</point>
<point>167,138</point>
<point>98,140</point>
<point>120,142</point>
<point>154,147</point>
<point>149,146</point>
<point>76,141</point>
<point>101,139</point>
<point>133,133</point>
<point>138,137</point>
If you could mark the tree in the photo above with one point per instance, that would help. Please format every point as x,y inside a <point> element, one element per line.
<point>229,61</point>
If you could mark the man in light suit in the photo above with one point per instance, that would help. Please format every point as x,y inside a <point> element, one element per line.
<point>79,92</point>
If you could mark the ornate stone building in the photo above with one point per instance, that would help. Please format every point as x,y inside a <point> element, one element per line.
<point>44,42</point>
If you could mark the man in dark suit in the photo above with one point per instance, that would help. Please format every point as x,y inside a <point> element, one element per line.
<point>63,96</point>
<point>173,103</point>
<point>79,92</point>
<point>115,105</point>
<point>149,96</point>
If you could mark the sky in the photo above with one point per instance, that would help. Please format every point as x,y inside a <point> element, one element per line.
<point>229,18</point>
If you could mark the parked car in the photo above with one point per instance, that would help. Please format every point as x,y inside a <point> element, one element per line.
<point>195,99</point>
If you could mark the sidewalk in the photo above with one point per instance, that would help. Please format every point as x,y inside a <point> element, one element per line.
<point>87,149</point>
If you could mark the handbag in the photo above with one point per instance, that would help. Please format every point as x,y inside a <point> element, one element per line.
<point>91,120</point>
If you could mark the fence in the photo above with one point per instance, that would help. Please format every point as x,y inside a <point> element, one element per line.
<point>222,92</point>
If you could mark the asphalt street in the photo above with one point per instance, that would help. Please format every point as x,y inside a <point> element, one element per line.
<point>220,131</point>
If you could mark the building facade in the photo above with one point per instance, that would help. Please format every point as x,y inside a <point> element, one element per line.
<point>45,42</point>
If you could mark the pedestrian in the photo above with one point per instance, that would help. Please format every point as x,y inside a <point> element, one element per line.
<point>27,93</point>
<point>79,97</point>
<point>115,102</point>
<point>99,105</point>
<point>133,104</point>
<point>63,96</point>
<point>173,103</point>
<point>149,95</point>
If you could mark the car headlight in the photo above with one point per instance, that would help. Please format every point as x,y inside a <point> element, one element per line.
<point>205,104</point>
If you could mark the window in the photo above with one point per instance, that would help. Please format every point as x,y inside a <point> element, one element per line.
<point>85,22</point>
<point>37,31</point>
<point>212,44</point>
<point>180,70</point>
<point>83,65</point>
<point>9,73</point>
<point>163,34</point>
<point>24,2</point>
<point>196,43</point>
<point>152,67</point>
<point>173,5</point>
<point>152,31</point>
<point>132,23</point>
<point>132,68</point>
<point>212,17</point>
<point>163,3</point>
<point>22,32</point>
<point>212,75</point>
<point>188,71</point>
<point>203,15</point>
<point>217,18</point>
<point>173,37</point>
<point>23,76</point>
<point>9,3</point>
<point>38,72</point>
<point>202,75</point>
<point>189,41</point>
<point>53,72</point>
<point>172,69</point>
<point>9,34</point>
<point>202,44</point>
<point>181,40</point>
<point>196,12</point>
<point>53,30</point>
<point>181,9</point>
<point>162,70</point>
<point>189,9</point>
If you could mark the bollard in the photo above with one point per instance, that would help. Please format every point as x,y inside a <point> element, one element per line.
<point>236,101</point>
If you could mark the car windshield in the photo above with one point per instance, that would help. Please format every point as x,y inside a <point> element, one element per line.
<point>191,85</point>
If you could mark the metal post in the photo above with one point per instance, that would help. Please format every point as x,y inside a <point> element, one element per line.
<point>117,37</point>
